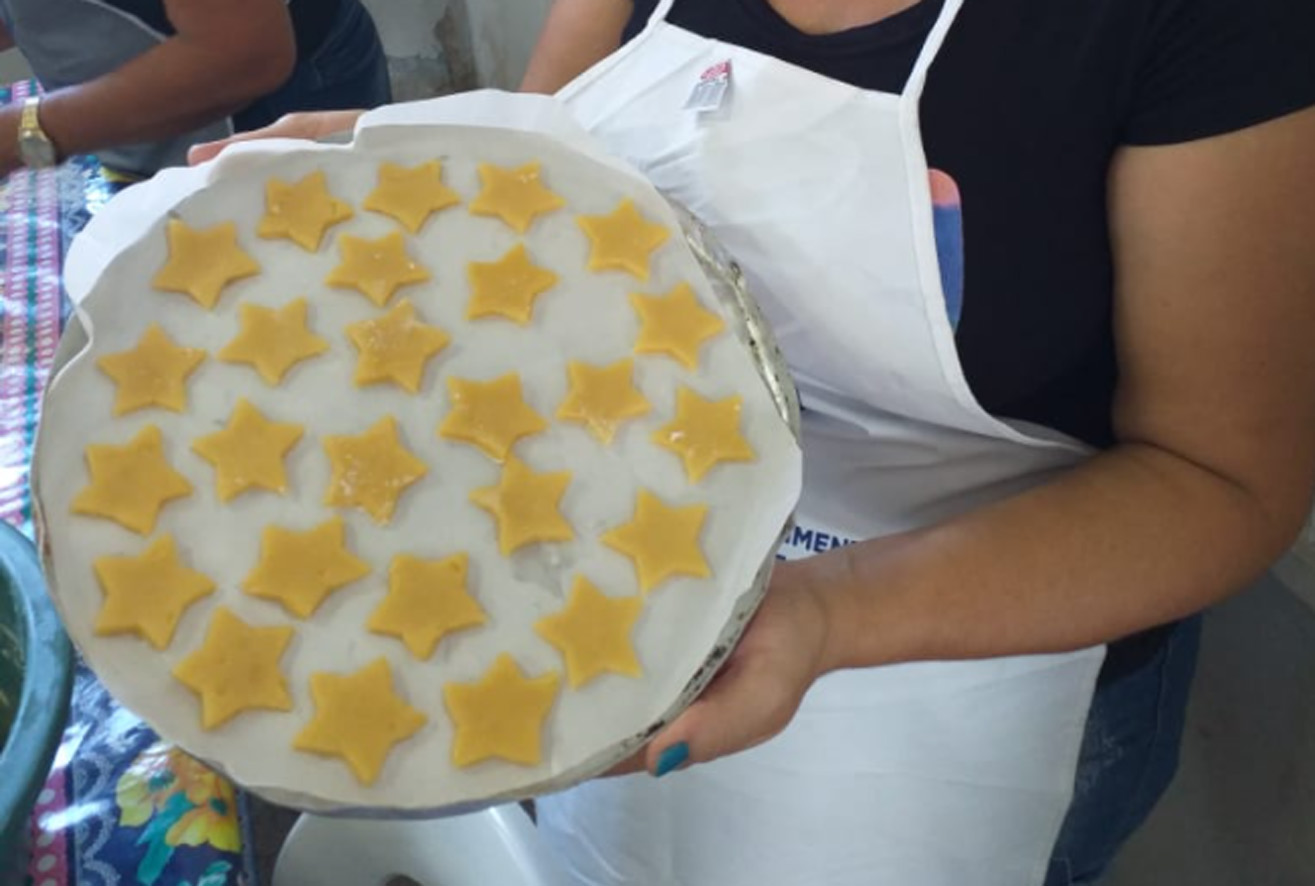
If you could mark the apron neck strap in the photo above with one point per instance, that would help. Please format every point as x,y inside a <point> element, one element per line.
<point>930,49</point>
<point>660,12</point>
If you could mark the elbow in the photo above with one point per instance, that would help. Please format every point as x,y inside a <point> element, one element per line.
<point>267,66</point>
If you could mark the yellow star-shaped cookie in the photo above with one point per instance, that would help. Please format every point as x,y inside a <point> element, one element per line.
<point>146,595</point>
<point>154,373</point>
<point>593,633</point>
<point>301,212</point>
<point>359,718</point>
<point>375,268</point>
<point>202,263</point>
<point>492,415</point>
<point>517,196</point>
<point>249,452</point>
<point>524,504</point>
<point>411,195</point>
<point>371,470</point>
<point>301,569</point>
<point>704,433</point>
<point>500,715</point>
<point>131,483</point>
<point>602,397</point>
<point>623,240</point>
<point>661,541</point>
<point>273,341</point>
<point>427,600</point>
<point>236,669</point>
<point>395,347</point>
<point>674,325</point>
<point>507,287</point>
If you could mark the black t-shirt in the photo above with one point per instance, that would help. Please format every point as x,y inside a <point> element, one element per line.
<point>1024,107</point>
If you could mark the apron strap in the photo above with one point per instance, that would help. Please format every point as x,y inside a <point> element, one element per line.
<point>660,12</point>
<point>930,49</point>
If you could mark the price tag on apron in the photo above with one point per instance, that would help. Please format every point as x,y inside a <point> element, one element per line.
<point>710,92</point>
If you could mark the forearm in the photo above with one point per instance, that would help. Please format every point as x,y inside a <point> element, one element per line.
<point>1134,538</point>
<point>576,34</point>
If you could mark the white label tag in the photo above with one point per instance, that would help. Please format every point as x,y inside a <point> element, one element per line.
<point>710,92</point>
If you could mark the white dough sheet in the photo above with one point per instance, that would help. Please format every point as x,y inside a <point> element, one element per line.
<point>687,625</point>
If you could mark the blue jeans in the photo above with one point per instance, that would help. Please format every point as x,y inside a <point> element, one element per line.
<point>1129,757</point>
<point>348,71</point>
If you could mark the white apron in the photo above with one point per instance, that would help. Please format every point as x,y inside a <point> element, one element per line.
<point>936,774</point>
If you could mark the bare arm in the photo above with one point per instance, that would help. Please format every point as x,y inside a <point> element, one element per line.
<point>222,57</point>
<point>1215,414</point>
<point>577,34</point>
<point>6,41</point>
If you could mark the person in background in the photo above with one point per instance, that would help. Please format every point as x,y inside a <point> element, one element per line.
<point>137,82</point>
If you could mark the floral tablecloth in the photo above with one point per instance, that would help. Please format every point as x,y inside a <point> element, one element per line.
<point>119,807</point>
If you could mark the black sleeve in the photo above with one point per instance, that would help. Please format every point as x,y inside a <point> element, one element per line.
<point>1207,67</point>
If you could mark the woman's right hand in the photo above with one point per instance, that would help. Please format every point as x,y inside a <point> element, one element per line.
<point>311,125</point>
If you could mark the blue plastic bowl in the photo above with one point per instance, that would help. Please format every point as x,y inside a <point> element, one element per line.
<point>36,681</point>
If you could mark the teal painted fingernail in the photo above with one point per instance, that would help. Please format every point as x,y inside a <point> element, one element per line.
<point>671,759</point>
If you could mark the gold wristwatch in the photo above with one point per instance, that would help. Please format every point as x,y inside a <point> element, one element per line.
<point>35,148</point>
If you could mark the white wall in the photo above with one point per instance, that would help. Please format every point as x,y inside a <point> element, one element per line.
<point>502,35</point>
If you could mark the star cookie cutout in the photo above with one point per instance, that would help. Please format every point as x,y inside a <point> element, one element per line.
<point>202,263</point>
<point>507,287</point>
<point>501,715</point>
<point>674,325</point>
<point>359,718</point>
<point>623,240</point>
<point>602,398</point>
<point>411,194</point>
<point>153,373</point>
<point>492,415</point>
<point>273,341</point>
<point>147,595</point>
<point>371,470</point>
<point>301,569</point>
<point>704,433</point>
<point>236,669</point>
<point>131,483</point>
<point>249,453</point>
<point>593,633</point>
<point>426,601</point>
<point>395,347</point>
<point>375,268</point>
<point>302,211</point>
<point>517,196</point>
<point>661,541</point>
<point>525,506</point>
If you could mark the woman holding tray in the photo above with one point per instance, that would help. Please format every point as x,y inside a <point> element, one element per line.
<point>1043,273</point>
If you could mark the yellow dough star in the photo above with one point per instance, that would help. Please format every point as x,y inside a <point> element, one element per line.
<point>517,196</point>
<point>492,415</point>
<point>249,452</point>
<point>427,600</point>
<point>371,470</point>
<point>704,433</point>
<point>131,483</point>
<point>236,669</point>
<point>674,325</point>
<point>375,268</point>
<point>273,341</point>
<point>301,212</point>
<point>411,195</point>
<point>623,240</point>
<point>602,397</point>
<point>154,373</point>
<point>301,569</point>
<point>661,541</point>
<point>525,506</point>
<point>500,715</point>
<point>359,718</point>
<point>202,263</point>
<point>507,287</point>
<point>593,633</point>
<point>395,347</point>
<point>147,595</point>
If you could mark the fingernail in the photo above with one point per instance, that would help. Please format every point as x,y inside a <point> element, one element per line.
<point>671,759</point>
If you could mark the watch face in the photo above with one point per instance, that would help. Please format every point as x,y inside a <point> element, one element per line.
<point>36,152</point>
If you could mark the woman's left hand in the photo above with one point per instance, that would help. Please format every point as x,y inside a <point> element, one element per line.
<point>782,652</point>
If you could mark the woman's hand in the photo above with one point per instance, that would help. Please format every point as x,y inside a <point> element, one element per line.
<point>314,125</point>
<point>782,652</point>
